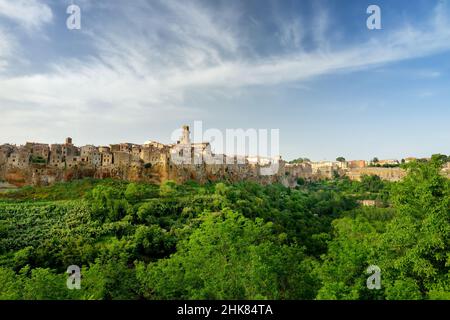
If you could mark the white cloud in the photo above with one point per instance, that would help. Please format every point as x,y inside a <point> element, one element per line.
<point>143,68</point>
<point>202,54</point>
<point>6,48</point>
<point>427,74</point>
<point>292,34</point>
<point>28,13</point>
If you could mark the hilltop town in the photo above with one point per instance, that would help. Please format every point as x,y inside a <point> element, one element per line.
<point>43,164</point>
<point>154,162</point>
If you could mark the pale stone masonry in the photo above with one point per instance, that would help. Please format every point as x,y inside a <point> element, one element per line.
<point>41,164</point>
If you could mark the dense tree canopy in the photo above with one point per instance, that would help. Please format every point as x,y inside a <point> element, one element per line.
<point>229,241</point>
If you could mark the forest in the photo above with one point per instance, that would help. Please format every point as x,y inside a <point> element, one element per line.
<point>229,240</point>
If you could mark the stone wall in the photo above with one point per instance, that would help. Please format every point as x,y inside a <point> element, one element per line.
<point>390,174</point>
<point>41,164</point>
<point>157,173</point>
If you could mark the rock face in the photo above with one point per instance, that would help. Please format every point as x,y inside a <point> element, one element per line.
<point>154,162</point>
<point>390,174</point>
<point>39,164</point>
<point>43,164</point>
<point>288,175</point>
<point>46,175</point>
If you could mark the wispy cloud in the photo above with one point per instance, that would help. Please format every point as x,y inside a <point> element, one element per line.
<point>6,48</point>
<point>292,34</point>
<point>428,74</point>
<point>28,13</point>
<point>148,65</point>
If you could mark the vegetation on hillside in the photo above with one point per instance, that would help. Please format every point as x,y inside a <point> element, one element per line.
<point>229,241</point>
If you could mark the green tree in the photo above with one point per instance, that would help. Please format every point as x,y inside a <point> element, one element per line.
<point>417,242</point>
<point>133,192</point>
<point>152,241</point>
<point>353,249</point>
<point>109,203</point>
<point>230,257</point>
<point>168,188</point>
<point>44,284</point>
<point>109,278</point>
<point>371,183</point>
<point>10,285</point>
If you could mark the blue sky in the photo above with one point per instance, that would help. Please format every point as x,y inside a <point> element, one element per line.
<point>138,70</point>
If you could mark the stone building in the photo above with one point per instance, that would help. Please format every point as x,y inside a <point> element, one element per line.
<point>388,162</point>
<point>185,138</point>
<point>86,154</point>
<point>299,170</point>
<point>56,158</point>
<point>121,158</point>
<point>105,156</point>
<point>19,158</point>
<point>37,163</point>
<point>107,159</point>
<point>72,161</point>
<point>69,150</point>
<point>39,152</point>
<point>5,151</point>
<point>357,164</point>
<point>390,174</point>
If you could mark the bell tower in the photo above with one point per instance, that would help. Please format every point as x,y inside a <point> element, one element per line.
<point>68,141</point>
<point>185,138</point>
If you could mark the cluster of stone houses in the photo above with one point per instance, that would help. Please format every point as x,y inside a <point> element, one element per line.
<point>354,169</point>
<point>23,163</point>
<point>68,155</point>
<point>36,163</point>
<point>386,169</point>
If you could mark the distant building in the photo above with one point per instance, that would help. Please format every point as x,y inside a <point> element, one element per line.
<point>357,164</point>
<point>154,161</point>
<point>388,162</point>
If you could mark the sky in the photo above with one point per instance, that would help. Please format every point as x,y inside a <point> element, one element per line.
<point>137,70</point>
